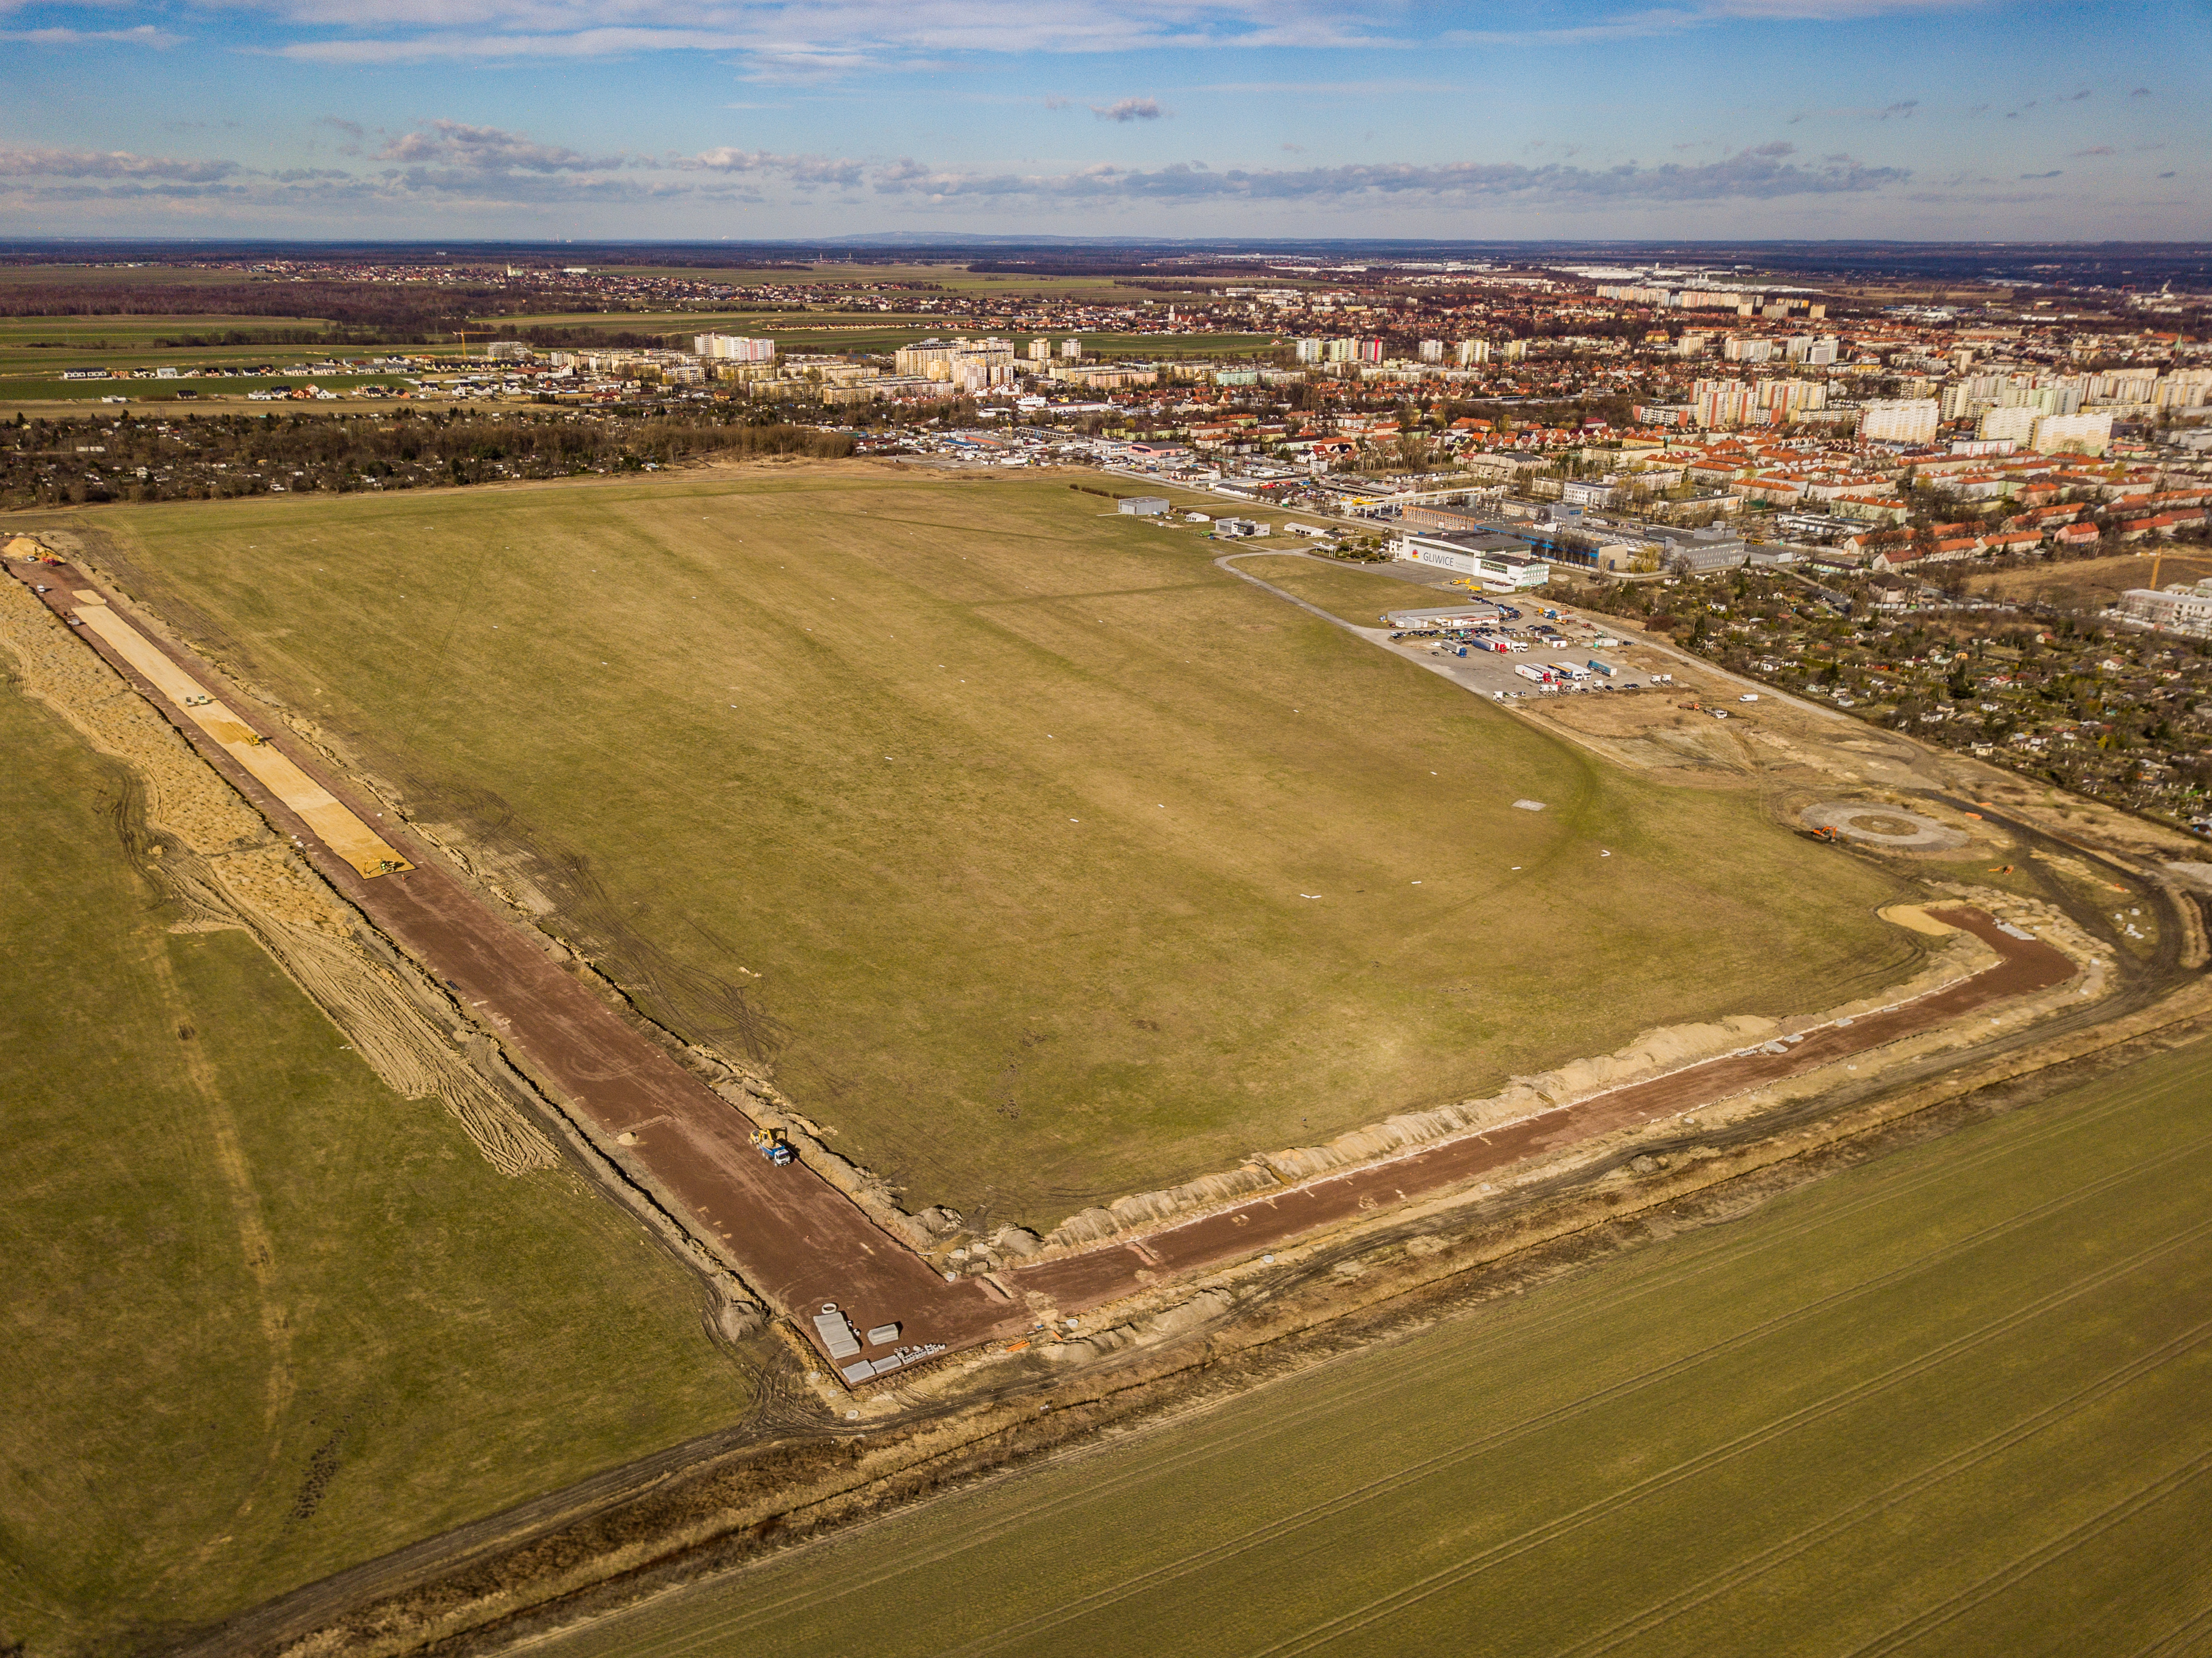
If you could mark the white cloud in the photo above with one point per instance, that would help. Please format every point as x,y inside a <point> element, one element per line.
<point>806,170</point>
<point>110,164</point>
<point>145,35</point>
<point>1756,175</point>
<point>486,149</point>
<point>1131,109</point>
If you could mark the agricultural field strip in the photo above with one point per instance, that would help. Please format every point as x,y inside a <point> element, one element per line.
<point>1747,1571</point>
<point>2178,1641</point>
<point>1538,1536</point>
<point>1552,1530</point>
<point>2027,1565</point>
<point>1389,1384</point>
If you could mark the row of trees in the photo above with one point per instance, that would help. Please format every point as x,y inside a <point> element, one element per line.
<point>128,458</point>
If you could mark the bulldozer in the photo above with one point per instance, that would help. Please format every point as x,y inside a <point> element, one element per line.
<point>771,1145</point>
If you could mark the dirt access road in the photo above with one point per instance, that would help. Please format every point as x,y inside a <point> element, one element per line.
<point>797,1240</point>
<point>793,1237</point>
<point>2026,965</point>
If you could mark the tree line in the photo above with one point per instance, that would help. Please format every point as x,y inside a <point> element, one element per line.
<point>131,459</point>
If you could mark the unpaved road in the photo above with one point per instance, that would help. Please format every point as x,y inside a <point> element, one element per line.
<point>2027,965</point>
<point>797,1240</point>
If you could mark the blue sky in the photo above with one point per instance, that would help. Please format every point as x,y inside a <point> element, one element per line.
<point>2006,119</point>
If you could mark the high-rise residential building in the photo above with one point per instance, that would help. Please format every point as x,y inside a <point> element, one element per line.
<point>1903,420</point>
<point>1786,399</point>
<point>1467,353</point>
<point>1432,351</point>
<point>1722,405</point>
<point>1310,350</point>
<point>2185,388</point>
<point>2018,424</point>
<point>1040,350</point>
<point>1370,350</point>
<point>1343,351</point>
<point>945,360</point>
<point>2072,434</point>
<point>1746,348</point>
<point>731,348</point>
<point>1072,349</point>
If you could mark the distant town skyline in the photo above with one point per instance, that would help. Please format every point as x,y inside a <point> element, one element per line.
<point>1802,118</point>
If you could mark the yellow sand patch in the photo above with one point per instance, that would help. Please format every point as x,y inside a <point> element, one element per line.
<point>1918,918</point>
<point>339,828</point>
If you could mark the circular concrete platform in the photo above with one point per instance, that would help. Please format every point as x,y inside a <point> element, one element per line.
<point>1874,823</point>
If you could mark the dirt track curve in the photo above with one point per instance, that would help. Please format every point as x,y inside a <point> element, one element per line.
<point>797,1240</point>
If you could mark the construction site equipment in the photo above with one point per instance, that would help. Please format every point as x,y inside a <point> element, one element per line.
<point>836,1333</point>
<point>1825,833</point>
<point>771,1145</point>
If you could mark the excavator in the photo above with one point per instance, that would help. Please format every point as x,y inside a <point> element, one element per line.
<point>771,1145</point>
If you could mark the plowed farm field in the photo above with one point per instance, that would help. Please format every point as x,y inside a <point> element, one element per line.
<point>1949,1402</point>
<point>1038,859</point>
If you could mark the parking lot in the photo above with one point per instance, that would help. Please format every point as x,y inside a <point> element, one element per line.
<point>1565,638</point>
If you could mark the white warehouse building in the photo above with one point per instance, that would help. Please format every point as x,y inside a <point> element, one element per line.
<point>1501,564</point>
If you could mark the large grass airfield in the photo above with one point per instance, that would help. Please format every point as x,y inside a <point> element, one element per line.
<point>264,1318</point>
<point>1034,857</point>
<point>1946,1403</point>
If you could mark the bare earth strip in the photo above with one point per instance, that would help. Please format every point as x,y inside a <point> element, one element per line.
<point>797,1240</point>
<point>337,827</point>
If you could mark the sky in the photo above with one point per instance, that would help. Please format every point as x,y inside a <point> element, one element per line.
<point>697,119</point>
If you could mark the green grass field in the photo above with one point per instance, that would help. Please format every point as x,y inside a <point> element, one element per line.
<point>1357,594</point>
<point>1039,858</point>
<point>16,388</point>
<point>1951,1402</point>
<point>260,1318</point>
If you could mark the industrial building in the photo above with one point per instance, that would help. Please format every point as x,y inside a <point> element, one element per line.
<point>1474,614</point>
<point>1142,506</point>
<point>2181,608</point>
<point>1502,563</point>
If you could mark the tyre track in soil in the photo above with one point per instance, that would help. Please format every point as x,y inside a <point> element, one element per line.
<point>798,1241</point>
<point>1909,1370</point>
<point>2027,1565</point>
<point>1444,1461</point>
<point>1393,1384</point>
<point>1965,1460</point>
